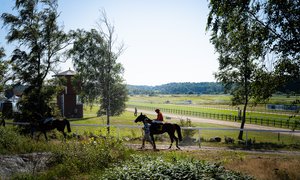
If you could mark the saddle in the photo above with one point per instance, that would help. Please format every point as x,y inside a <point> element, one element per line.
<point>48,120</point>
<point>158,126</point>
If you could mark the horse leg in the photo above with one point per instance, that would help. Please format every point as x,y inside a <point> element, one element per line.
<point>2,121</point>
<point>150,141</point>
<point>176,139</point>
<point>38,136</point>
<point>143,143</point>
<point>65,135</point>
<point>45,135</point>
<point>32,131</point>
<point>172,140</point>
<point>152,138</point>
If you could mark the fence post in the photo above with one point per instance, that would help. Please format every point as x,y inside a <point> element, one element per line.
<point>199,133</point>
<point>260,121</point>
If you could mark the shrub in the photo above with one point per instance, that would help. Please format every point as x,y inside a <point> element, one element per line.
<point>11,142</point>
<point>88,156</point>
<point>187,133</point>
<point>142,167</point>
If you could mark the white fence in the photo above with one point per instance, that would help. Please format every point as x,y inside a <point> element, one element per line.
<point>198,129</point>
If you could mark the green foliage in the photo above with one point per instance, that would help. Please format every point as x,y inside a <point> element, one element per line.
<point>142,167</point>
<point>34,109</point>
<point>3,69</point>
<point>34,27</point>
<point>98,71</point>
<point>88,156</point>
<point>240,41</point>
<point>9,141</point>
<point>178,88</point>
<point>12,142</point>
<point>187,133</point>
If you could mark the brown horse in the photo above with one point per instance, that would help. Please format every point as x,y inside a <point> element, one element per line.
<point>155,128</point>
<point>50,125</point>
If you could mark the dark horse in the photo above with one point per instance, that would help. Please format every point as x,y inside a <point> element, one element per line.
<point>155,129</point>
<point>50,125</point>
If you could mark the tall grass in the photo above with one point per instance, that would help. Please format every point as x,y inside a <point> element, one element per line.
<point>12,142</point>
<point>100,158</point>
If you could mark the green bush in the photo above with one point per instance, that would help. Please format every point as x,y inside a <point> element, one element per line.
<point>87,156</point>
<point>144,167</point>
<point>11,142</point>
<point>187,133</point>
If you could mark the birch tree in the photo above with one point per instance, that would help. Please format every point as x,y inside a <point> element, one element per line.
<point>94,54</point>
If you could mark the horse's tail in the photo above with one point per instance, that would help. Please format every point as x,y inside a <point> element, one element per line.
<point>68,125</point>
<point>178,129</point>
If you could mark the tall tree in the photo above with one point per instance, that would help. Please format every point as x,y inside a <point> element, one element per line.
<point>280,32</point>
<point>113,51</point>
<point>240,48</point>
<point>40,39</point>
<point>3,69</point>
<point>95,60</point>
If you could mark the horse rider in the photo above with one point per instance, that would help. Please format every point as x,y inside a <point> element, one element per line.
<point>146,137</point>
<point>159,119</point>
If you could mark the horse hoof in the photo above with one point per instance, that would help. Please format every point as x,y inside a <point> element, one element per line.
<point>156,149</point>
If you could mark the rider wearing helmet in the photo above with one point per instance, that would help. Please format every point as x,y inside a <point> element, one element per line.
<point>159,120</point>
<point>160,117</point>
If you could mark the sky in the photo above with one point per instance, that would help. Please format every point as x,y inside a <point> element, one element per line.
<point>165,40</point>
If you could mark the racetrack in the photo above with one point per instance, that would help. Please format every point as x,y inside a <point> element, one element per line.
<point>219,122</point>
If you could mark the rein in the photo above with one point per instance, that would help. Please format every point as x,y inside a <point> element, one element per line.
<point>147,119</point>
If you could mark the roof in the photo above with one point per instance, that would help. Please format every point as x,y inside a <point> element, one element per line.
<point>67,73</point>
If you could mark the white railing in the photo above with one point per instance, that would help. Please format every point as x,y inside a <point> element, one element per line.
<point>199,129</point>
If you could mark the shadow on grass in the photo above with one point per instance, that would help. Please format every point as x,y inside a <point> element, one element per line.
<point>266,146</point>
<point>82,119</point>
<point>249,146</point>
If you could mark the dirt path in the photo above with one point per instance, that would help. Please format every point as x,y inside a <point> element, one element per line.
<point>219,122</point>
<point>160,147</point>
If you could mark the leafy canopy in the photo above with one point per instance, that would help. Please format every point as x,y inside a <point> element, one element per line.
<point>40,39</point>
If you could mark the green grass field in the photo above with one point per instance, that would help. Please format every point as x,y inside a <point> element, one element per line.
<point>218,106</point>
<point>133,134</point>
<point>90,157</point>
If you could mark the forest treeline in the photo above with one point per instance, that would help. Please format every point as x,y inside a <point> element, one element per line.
<point>292,87</point>
<point>178,88</point>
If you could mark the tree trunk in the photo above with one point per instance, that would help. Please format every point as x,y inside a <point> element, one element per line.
<point>108,116</point>
<point>243,122</point>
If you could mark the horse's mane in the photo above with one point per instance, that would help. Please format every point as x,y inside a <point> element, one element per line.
<point>148,120</point>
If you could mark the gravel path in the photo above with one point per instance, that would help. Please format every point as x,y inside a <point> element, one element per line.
<point>160,147</point>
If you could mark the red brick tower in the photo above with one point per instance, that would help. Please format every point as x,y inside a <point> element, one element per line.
<point>68,101</point>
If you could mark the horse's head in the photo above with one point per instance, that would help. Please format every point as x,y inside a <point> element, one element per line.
<point>140,118</point>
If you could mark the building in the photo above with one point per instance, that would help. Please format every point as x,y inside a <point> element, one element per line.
<point>67,100</point>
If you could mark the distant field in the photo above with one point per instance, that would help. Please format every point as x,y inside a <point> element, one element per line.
<point>216,104</point>
<point>208,100</point>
